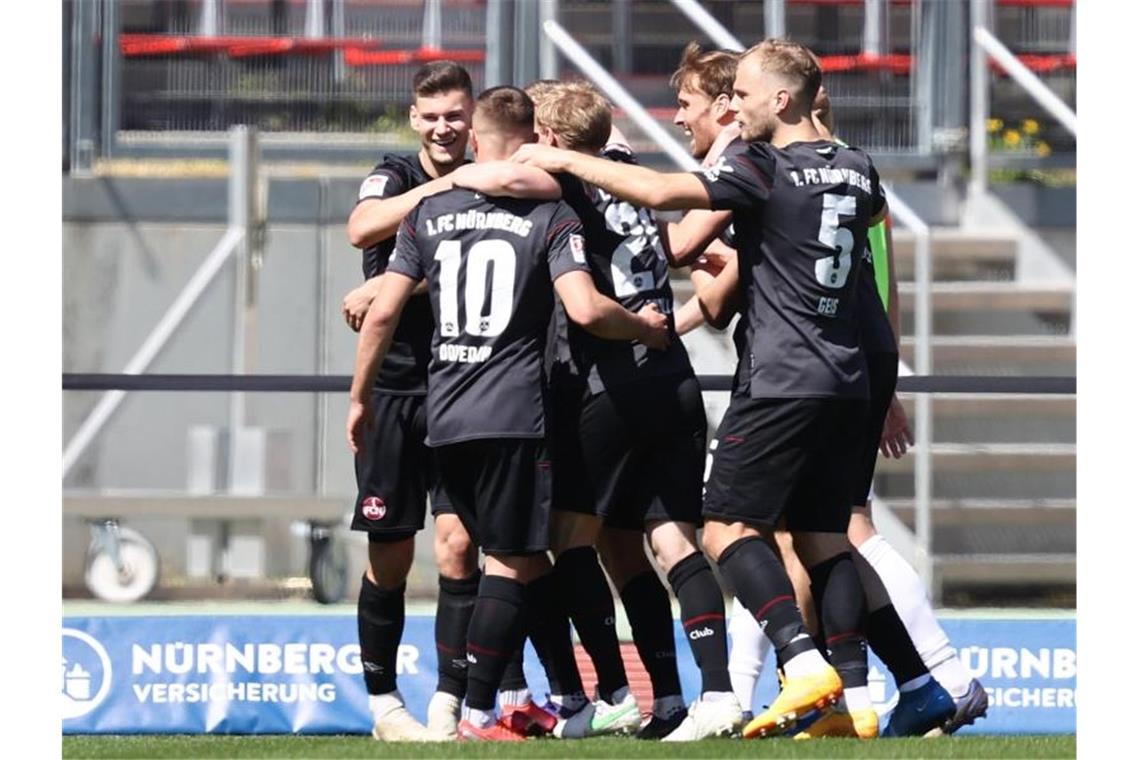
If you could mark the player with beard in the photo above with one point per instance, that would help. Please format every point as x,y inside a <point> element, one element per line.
<point>489,263</point>
<point>629,441</point>
<point>802,206</point>
<point>395,470</point>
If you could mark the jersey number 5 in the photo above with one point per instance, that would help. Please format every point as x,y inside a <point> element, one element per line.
<point>499,257</point>
<point>831,271</point>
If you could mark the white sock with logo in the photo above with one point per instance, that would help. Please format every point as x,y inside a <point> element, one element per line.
<point>908,595</point>
<point>857,698</point>
<point>747,653</point>
<point>569,702</point>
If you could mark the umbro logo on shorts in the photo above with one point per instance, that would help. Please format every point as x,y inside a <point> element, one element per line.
<point>373,508</point>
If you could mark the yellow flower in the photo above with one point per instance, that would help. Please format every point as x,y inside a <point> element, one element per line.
<point>1030,126</point>
<point>1043,149</point>
<point>1012,138</point>
<point>994,125</point>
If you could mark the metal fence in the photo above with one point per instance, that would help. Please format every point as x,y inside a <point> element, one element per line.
<point>139,68</point>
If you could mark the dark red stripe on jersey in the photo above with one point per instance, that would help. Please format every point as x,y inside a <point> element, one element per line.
<point>701,619</point>
<point>553,231</point>
<point>778,599</point>
<point>734,439</point>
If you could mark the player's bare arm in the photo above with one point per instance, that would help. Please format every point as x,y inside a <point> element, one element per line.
<point>504,178</point>
<point>704,270</point>
<point>690,237</point>
<point>356,302</point>
<point>377,219</point>
<point>371,348</point>
<point>636,184</point>
<point>719,298</point>
<point>606,318</point>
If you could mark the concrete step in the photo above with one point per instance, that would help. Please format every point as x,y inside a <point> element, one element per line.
<point>991,296</point>
<point>999,355</point>
<point>1044,569</point>
<point>1001,418</point>
<point>958,254</point>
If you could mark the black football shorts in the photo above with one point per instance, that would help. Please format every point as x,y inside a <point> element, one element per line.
<point>792,458</point>
<point>500,489</point>
<point>633,454</point>
<point>396,471</point>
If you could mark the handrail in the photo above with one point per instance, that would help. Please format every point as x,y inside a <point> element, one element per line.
<point>1029,82</point>
<point>621,98</point>
<point>708,24</point>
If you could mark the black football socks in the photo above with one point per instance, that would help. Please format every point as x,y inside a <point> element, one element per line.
<point>495,635</point>
<point>588,600</point>
<point>702,618</point>
<point>380,625</point>
<point>452,619</point>
<point>651,621</point>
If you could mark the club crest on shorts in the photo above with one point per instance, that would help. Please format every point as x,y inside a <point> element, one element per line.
<point>373,508</point>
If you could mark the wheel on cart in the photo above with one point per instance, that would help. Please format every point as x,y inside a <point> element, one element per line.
<point>122,564</point>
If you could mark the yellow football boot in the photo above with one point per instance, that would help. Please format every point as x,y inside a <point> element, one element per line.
<point>797,698</point>
<point>861,724</point>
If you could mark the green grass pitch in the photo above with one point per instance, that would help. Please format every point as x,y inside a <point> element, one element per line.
<point>362,746</point>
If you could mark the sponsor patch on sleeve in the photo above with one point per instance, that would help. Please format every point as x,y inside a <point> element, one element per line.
<point>373,186</point>
<point>578,248</point>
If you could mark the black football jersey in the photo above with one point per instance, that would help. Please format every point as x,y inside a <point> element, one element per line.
<point>800,215</point>
<point>404,371</point>
<point>628,264</point>
<point>489,263</point>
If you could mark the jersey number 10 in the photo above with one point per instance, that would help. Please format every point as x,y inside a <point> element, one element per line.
<point>499,256</point>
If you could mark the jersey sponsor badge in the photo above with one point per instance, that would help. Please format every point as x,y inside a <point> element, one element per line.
<point>578,248</point>
<point>373,186</point>
<point>712,174</point>
<point>373,508</point>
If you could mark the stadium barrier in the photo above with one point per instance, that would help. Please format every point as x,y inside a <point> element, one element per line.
<point>301,674</point>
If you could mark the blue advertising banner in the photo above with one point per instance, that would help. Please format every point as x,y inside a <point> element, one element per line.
<point>271,674</point>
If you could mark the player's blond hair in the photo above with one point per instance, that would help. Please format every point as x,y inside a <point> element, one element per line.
<point>793,61</point>
<point>578,114</point>
<point>541,89</point>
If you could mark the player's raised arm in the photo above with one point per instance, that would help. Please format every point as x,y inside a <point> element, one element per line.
<point>505,178</point>
<point>636,184</point>
<point>719,298</point>
<point>377,219</point>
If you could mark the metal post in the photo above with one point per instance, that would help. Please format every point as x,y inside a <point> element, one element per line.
<point>315,19</point>
<point>433,26</point>
<point>527,32</point>
<point>622,39</point>
<point>979,101</point>
<point>875,25</point>
<point>547,53</point>
<point>338,31</point>
<point>497,66</point>
<point>210,22</point>
<point>775,18</point>
<point>84,125</point>
<point>243,212</point>
<point>110,91</point>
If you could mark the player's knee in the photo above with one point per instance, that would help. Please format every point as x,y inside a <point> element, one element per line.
<point>622,553</point>
<point>454,551</point>
<point>570,530</point>
<point>813,548</point>
<point>389,562</point>
<point>672,542</point>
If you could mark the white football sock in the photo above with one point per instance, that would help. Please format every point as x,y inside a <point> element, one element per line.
<point>747,654</point>
<point>805,663</point>
<point>514,697</point>
<point>856,698</point>
<point>908,595</point>
<point>480,718</point>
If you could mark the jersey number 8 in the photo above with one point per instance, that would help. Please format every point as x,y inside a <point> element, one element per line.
<point>499,256</point>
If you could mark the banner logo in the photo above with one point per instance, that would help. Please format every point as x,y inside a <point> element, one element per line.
<point>86,673</point>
